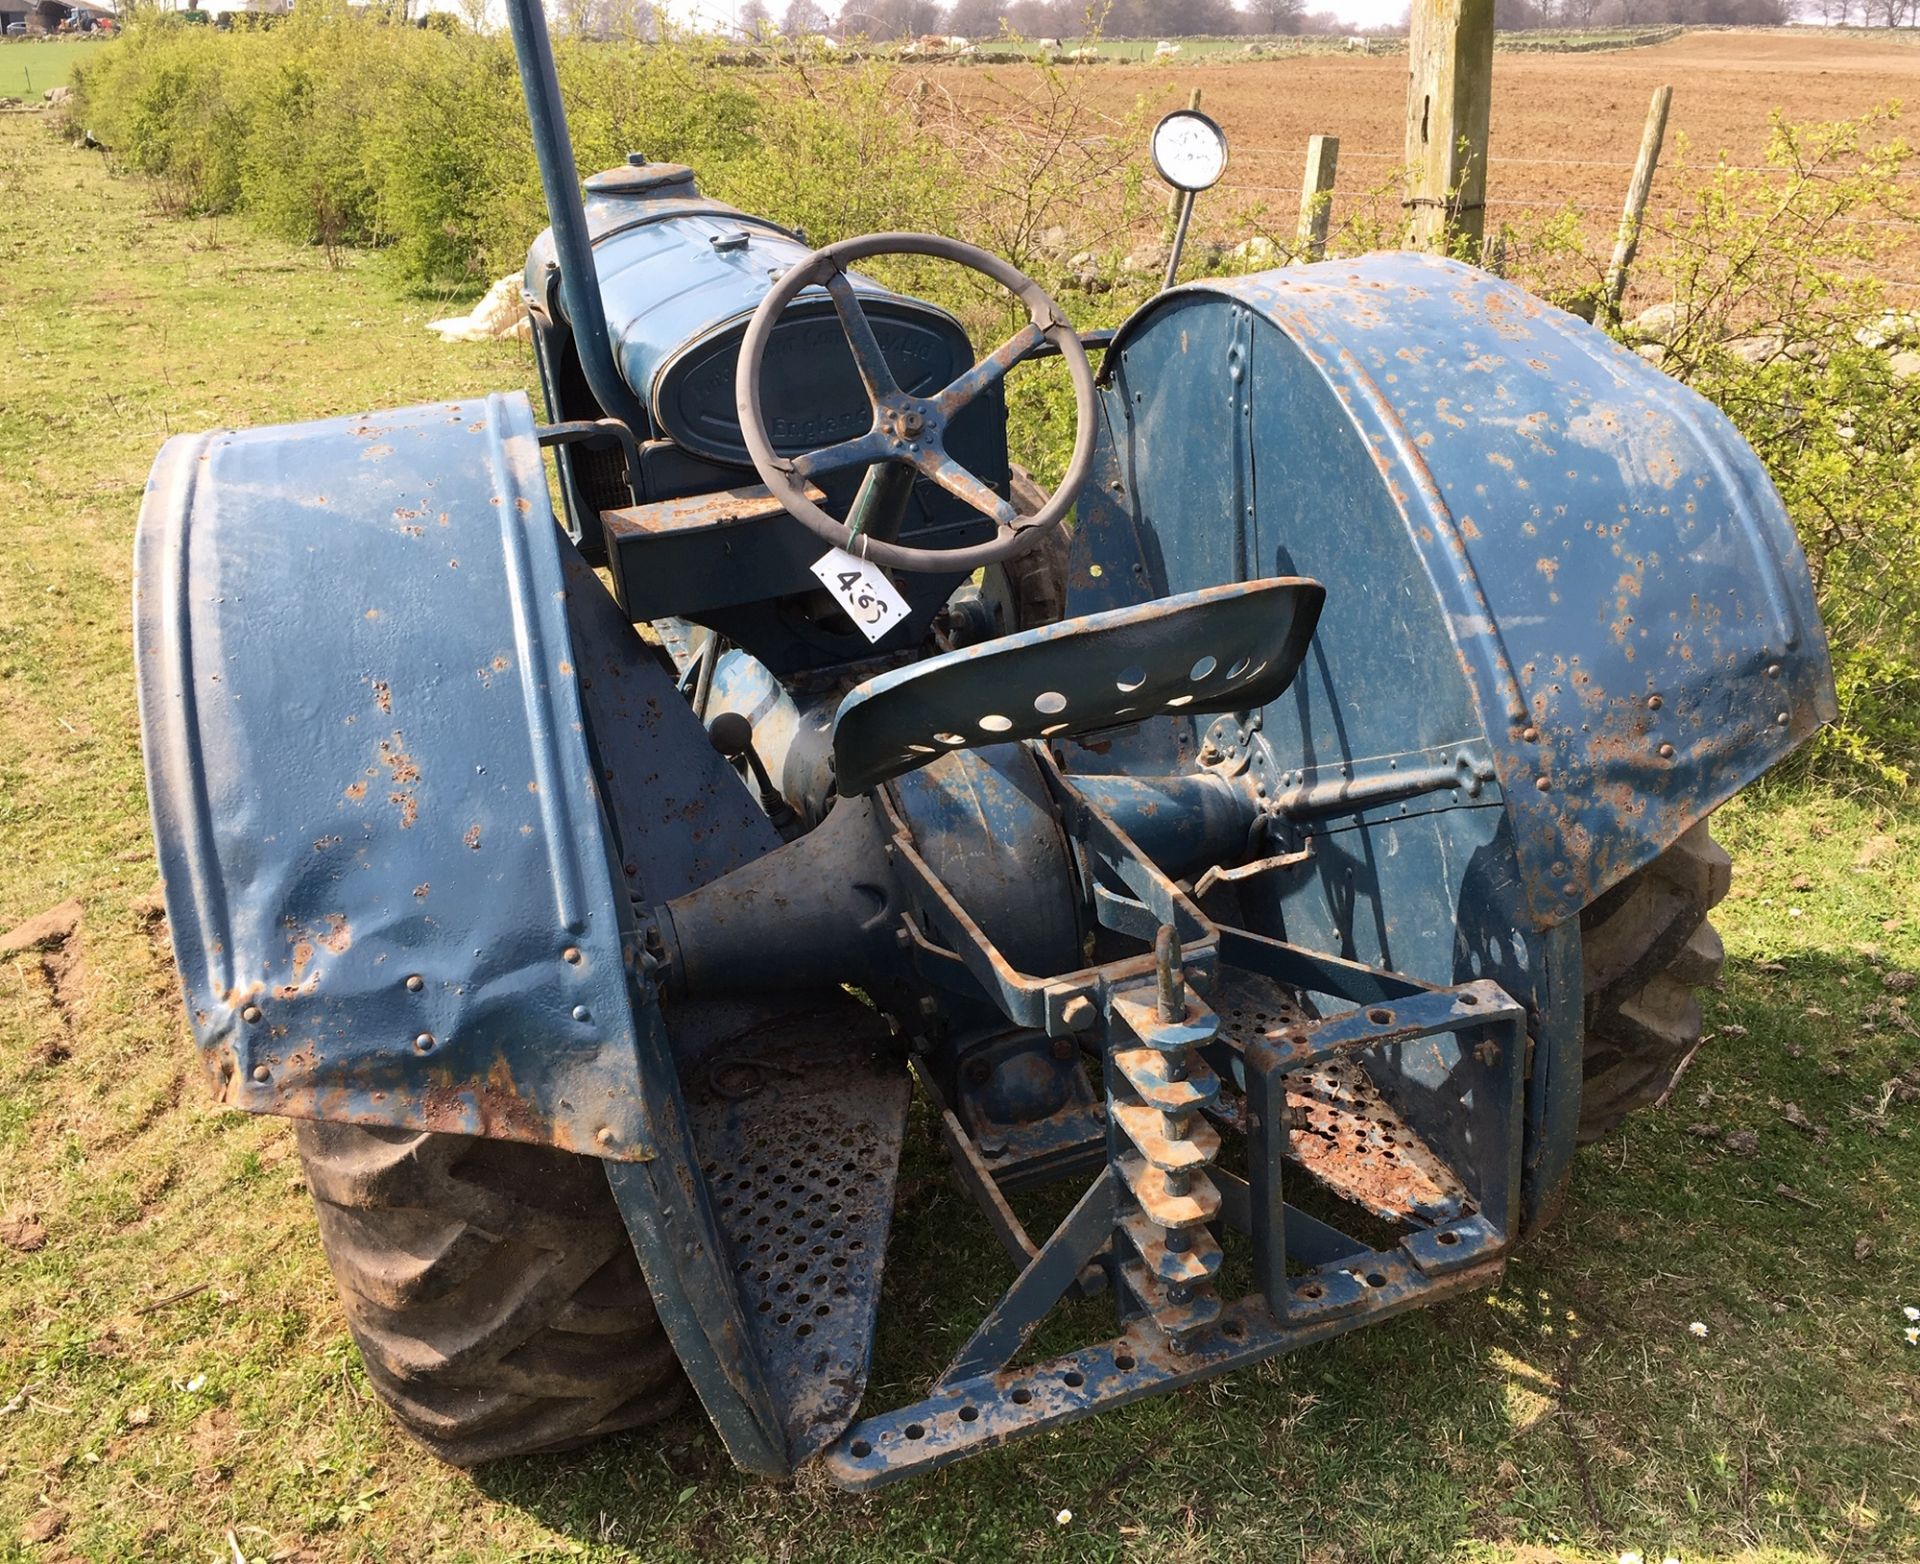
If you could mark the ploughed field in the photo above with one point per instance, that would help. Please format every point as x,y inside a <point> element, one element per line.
<point>1565,127</point>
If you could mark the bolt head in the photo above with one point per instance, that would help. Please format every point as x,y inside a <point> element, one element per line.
<point>415,983</point>
<point>1531,735</point>
<point>1545,784</point>
<point>250,1015</point>
<point>1063,1049</point>
<point>1654,703</point>
<point>582,1013</point>
<point>1078,1015</point>
<point>423,1043</point>
<point>571,955</point>
<point>261,1072</point>
<point>1666,752</point>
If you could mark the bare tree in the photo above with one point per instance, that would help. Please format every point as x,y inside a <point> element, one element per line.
<point>803,19</point>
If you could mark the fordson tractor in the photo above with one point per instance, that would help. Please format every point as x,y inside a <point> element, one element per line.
<point>1286,837</point>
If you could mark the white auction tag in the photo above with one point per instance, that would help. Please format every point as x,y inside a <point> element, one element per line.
<point>870,599</point>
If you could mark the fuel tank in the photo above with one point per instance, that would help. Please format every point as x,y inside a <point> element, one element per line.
<point>681,276</point>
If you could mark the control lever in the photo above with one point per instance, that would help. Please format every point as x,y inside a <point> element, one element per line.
<point>732,735</point>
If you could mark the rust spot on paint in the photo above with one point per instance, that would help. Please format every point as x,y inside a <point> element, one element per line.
<point>400,765</point>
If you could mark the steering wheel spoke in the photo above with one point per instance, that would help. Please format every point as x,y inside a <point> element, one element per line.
<point>989,371</point>
<point>861,451</point>
<point>867,355</point>
<point>960,483</point>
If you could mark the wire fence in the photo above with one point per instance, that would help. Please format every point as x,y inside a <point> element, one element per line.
<point>1373,198</point>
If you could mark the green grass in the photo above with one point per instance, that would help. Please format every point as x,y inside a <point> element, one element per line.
<point>1569,1414</point>
<point>28,69</point>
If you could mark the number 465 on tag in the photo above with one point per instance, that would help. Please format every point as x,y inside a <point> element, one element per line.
<point>872,602</point>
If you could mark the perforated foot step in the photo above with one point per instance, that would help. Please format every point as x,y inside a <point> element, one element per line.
<point>1346,1135</point>
<point>800,1139</point>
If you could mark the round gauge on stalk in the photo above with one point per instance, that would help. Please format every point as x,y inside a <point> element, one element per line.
<point>1189,150</point>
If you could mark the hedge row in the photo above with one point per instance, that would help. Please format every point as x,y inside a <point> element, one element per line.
<point>334,128</point>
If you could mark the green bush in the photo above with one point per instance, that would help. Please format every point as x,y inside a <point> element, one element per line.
<point>1779,319</point>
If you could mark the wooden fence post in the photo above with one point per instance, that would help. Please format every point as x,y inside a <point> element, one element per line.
<point>1637,192</point>
<point>1449,102</point>
<point>1316,196</point>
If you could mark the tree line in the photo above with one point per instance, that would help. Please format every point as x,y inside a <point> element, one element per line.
<point>895,20</point>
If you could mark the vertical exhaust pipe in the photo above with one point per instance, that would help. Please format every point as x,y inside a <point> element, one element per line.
<point>553,146</point>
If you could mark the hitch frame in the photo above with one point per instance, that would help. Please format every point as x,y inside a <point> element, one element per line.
<point>1152,1221</point>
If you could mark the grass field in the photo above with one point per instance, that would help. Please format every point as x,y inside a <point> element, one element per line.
<point>173,1370</point>
<point>29,69</point>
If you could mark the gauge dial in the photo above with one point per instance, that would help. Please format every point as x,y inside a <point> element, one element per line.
<point>1189,150</point>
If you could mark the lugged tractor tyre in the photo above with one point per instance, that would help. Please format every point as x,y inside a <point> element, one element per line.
<point>1647,950</point>
<point>491,1287</point>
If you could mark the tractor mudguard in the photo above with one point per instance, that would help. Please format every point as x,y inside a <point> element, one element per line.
<point>394,894</point>
<point>1554,545</point>
<point>1566,613</point>
<point>408,766</point>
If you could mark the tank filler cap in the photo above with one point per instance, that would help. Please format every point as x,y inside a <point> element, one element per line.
<point>644,181</point>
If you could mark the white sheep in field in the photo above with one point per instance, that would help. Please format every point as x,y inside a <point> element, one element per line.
<point>1083,55</point>
<point>1051,45</point>
<point>1164,50</point>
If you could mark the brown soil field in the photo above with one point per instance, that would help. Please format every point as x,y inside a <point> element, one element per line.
<point>1565,127</point>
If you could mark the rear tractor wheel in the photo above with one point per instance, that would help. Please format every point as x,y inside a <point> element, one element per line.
<point>491,1287</point>
<point>1648,949</point>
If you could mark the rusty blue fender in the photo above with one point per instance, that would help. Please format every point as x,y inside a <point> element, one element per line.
<point>1527,533</point>
<point>391,887</point>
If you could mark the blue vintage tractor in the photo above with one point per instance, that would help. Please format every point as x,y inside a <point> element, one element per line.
<point>1295,858</point>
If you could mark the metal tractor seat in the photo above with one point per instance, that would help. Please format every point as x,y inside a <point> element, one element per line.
<point>1224,648</point>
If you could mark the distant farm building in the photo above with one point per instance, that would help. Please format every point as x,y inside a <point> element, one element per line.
<point>40,17</point>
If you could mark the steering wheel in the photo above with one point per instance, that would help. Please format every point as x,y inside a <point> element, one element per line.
<point>906,428</point>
